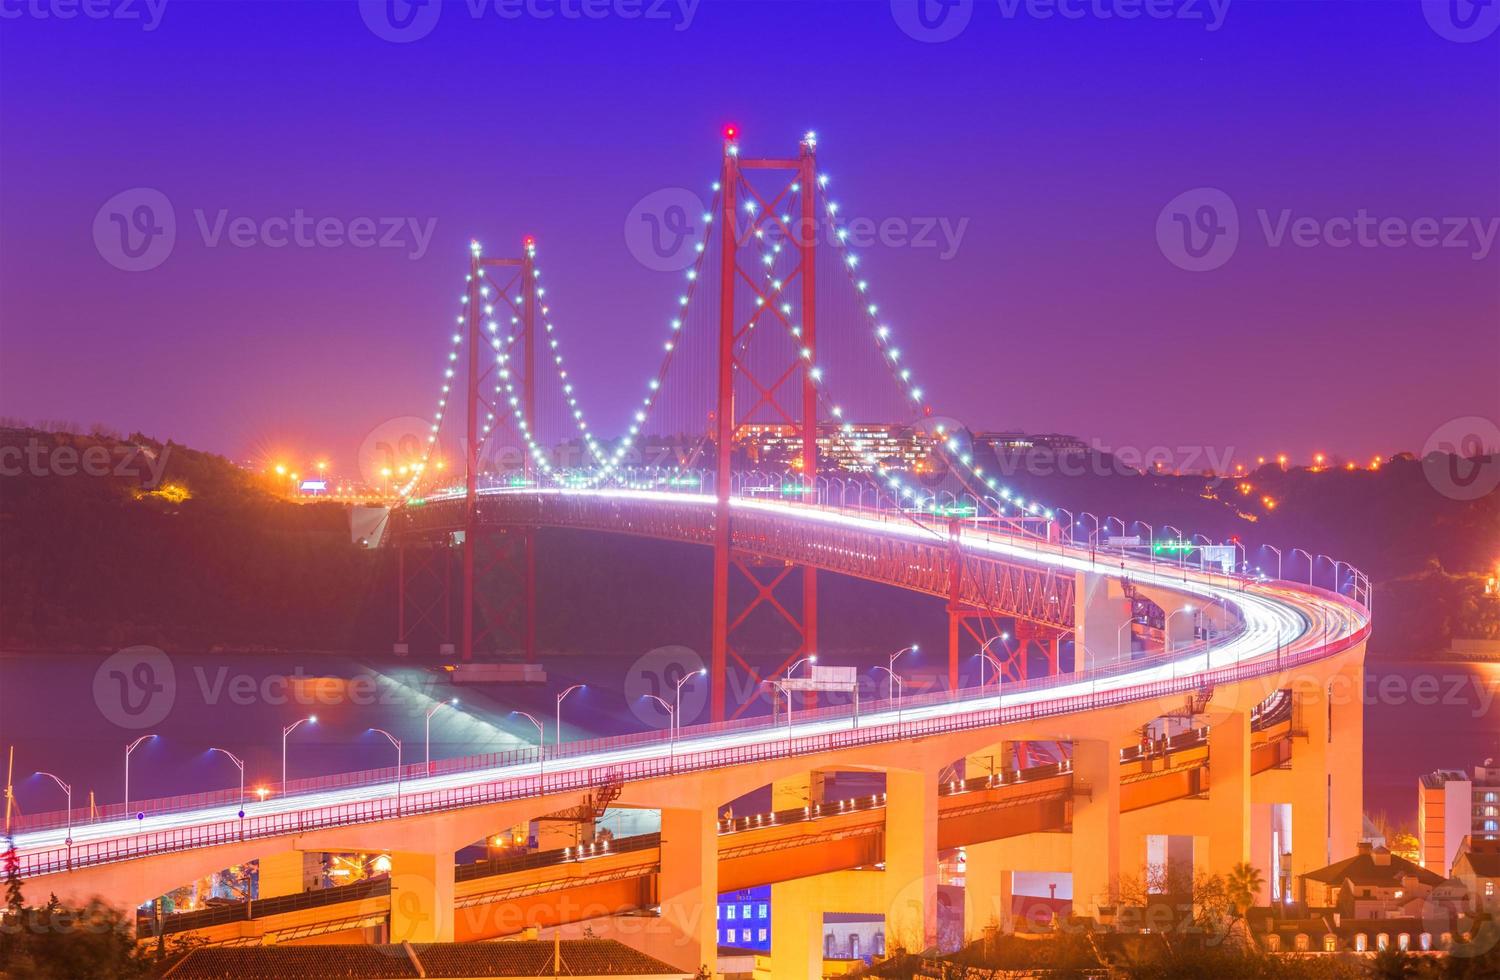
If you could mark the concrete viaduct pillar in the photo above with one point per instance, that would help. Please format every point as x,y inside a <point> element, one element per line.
<point>1100,611</point>
<point>688,888</point>
<point>1229,826</point>
<point>1096,825</point>
<point>911,859</point>
<point>421,897</point>
<point>1347,784</point>
<point>1310,780</point>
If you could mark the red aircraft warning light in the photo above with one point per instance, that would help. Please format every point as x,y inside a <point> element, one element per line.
<point>731,132</point>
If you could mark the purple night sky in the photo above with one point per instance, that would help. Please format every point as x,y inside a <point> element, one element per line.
<point>1058,140</point>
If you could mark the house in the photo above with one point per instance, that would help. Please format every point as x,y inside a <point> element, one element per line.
<point>1477,866</point>
<point>1375,884</point>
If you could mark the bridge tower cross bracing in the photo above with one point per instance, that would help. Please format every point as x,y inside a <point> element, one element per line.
<point>475,436</point>
<point>728,417</point>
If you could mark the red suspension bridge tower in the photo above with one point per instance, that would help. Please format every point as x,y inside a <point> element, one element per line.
<point>760,383</point>
<point>499,396</point>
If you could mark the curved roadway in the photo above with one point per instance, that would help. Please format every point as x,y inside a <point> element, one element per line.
<point>1275,620</point>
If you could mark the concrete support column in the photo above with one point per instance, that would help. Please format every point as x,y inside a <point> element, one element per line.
<point>992,760</point>
<point>688,887</point>
<point>1100,611</point>
<point>911,859</point>
<point>796,929</point>
<point>1096,825</point>
<point>795,792</point>
<point>1228,791</point>
<point>987,890</point>
<point>1263,849</point>
<point>1310,780</point>
<point>421,897</point>
<point>1347,796</point>
<point>287,873</point>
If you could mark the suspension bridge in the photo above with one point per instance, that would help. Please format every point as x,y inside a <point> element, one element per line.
<point>763,334</point>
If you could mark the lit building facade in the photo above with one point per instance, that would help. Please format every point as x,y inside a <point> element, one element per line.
<point>1452,806</point>
<point>843,446</point>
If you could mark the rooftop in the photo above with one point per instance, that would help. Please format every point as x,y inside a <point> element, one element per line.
<point>573,958</point>
<point>1373,866</point>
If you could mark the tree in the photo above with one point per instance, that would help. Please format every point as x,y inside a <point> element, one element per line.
<point>1244,883</point>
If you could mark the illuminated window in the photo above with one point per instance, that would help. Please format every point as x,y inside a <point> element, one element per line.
<point>1489,889</point>
<point>731,913</point>
<point>1403,942</point>
<point>1273,943</point>
<point>1382,941</point>
<point>1301,943</point>
<point>761,912</point>
<point>1330,943</point>
<point>1361,943</point>
<point>1425,940</point>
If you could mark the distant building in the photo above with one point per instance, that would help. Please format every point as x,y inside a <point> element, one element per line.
<point>1366,903</point>
<point>1375,884</point>
<point>745,919</point>
<point>1478,867</point>
<point>1022,443</point>
<point>1452,806</point>
<point>841,445</point>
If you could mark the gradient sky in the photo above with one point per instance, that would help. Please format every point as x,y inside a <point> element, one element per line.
<point>1060,140</point>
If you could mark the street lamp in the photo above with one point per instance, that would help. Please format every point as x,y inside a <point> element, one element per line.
<point>700,672</point>
<point>984,653</point>
<point>1150,540</point>
<point>1178,530</point>
<point>397,743</point>
<point>309,720</point>
<point>1277,552</point>
<point>129,749</point>
<point>811,658</point>
<point>451,702</point>
<point>891,663</point>
<point>1120,639</point>
<point>1309,557</point>
<point>560,698</point>
<point>68,792</point>
<point>240,765</point>
<point>671,723</point>
<point>541,740</point>
<point>897,686</point>
<point>1167,626</point>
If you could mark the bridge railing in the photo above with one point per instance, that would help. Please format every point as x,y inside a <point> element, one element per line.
<point>686,760</point>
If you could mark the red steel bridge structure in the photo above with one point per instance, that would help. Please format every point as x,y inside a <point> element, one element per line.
<point>761,357</point>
